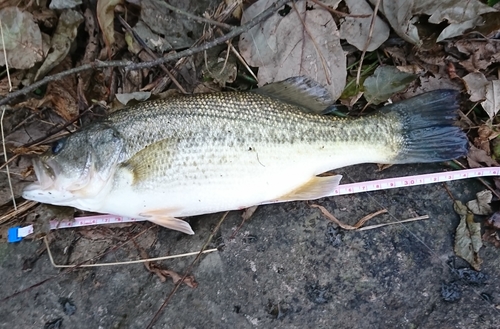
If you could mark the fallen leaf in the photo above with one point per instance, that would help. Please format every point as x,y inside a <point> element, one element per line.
<point>492,230</point>
<point>459,14</point>
<point>106,17</point>
<point>385,82</point>
<point>356,30</point>
<point>467,236</point>
<point>492,102</point>
<point>22,39</point>
<point>163,273</point>
<point>481,53</point>
<point>477,156</point>
<point>303,42</point>
<point>485,134</point>
<point>399,14</point>
<point>475,83</point>
<point>481,206</point>
<point>60,44</point>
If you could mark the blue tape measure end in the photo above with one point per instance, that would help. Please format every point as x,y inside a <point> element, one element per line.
<point>13,235</point>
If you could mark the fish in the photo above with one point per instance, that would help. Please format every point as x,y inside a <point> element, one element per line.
<point>164,160</point>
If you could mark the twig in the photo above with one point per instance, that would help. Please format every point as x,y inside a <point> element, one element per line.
<point>189,269</point>
<point>196,18</point>
<point>5,57</point>
<point>136,66</point>
<point>21,208</point>
<point>368,40</point>
<point>414,219</point>
<point>356,226</point>
<point>7,159</point>
<point>150,53</point>
<point>124,262</point>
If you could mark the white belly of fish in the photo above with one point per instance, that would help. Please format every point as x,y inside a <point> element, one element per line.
<point>229,182</point>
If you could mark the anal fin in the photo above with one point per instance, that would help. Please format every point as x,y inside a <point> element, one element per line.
<point>316,188</point>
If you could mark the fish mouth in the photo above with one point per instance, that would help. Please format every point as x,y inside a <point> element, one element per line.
<point>46,189</point>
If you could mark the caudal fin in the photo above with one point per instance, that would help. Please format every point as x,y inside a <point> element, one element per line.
<point>428,127</point>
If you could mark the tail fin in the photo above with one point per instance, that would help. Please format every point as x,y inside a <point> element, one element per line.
<point>428,127</point>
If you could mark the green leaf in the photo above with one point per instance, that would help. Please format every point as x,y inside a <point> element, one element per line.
<point>385,82</point>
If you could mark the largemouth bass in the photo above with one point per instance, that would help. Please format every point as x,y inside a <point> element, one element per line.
<point>205,153</point>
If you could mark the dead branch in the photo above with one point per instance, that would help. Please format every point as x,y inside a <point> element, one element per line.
<point>128,65</point>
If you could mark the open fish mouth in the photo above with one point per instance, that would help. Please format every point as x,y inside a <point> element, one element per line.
<point>46,189</point>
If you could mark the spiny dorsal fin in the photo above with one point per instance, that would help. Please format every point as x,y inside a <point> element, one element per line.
<point>300,91</point>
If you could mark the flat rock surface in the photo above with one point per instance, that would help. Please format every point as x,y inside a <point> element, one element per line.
<point>286,267</point>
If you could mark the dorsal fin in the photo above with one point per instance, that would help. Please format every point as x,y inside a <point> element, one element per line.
<point>300,91</point>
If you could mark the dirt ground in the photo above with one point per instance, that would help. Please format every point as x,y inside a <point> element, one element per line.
<point>287,267</point>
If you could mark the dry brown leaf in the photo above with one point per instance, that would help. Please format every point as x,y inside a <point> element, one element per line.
<point>356,30</point>
<point>481,206</point>
<point>163,273</point>
<point>60,44</point>
<point>482,53</point>
<point>475,83</point>
<point>492,230</point>
<point>61,94</point>
<point>468,236</point>
<point>23,39</point>
<point>303,42</point>
<point>105,17</point>
<point>485,135</point>
<point>492,102</point>
<point>477,156</point>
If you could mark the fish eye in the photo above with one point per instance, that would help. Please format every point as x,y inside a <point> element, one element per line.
<point>57,146</point>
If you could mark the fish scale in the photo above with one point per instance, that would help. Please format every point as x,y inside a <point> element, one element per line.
<point>204,153</point>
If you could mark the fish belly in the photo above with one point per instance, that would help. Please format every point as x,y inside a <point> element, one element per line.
<point>224,178</point>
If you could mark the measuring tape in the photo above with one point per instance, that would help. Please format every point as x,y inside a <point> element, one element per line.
<point>16,234</point>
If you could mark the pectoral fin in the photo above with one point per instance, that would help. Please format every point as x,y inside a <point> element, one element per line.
<point>317,187</point>
<point>160,217</point>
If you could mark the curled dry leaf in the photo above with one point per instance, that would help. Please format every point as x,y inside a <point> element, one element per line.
<point>492,230</point>
<point>492,102</point>
<point>105,17</point>
<point>60,45</point>
<point>481,206</point>
<point>475,83</point>
<point>477,156</point>
<point>481,53</point>
<point>356,30</point>
<point>484,135</point>
<point>138,96</point>
<point>468,236</point>
<point>304,41</point>
<point>460,14</point>
<point>23,39</point>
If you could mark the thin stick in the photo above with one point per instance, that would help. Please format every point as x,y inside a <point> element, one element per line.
<point>197,18</point>
<point>5,57</point>
<point>21,208</point>
<point>124,262</point>
<point>414,219</point>
<point>367,43</point>
<point>137,66</point>
<point>178,284</point>
<point>7,159</point>
<point>151,53</point>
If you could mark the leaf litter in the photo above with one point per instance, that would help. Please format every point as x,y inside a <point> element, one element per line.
<point>441,44</point>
